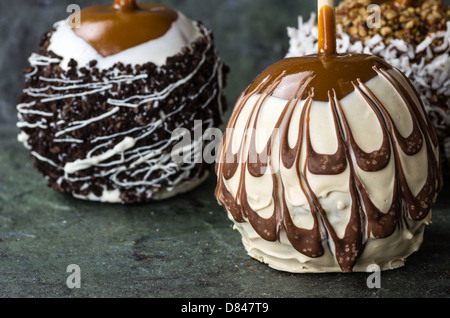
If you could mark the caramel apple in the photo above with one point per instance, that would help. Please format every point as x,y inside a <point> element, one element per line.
<point>102,99</point>
<point>329,162</point>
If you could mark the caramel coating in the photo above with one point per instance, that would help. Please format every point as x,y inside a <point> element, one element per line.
<point>327,73</point>
<point>111,29</point>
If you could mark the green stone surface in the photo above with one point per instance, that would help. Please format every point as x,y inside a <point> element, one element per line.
<point>182,247</point>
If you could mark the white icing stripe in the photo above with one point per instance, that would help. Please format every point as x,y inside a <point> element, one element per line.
<point>83,164</point>
<point>95,91</point>
<point>59,80</point>
<point>149,128</point>
<point>23,109</point>
<point>83,123</point>
<point>41,124</point>
<point>165,92</point>
<point>69,140</point>
<point>41,158</point>
<point>39,60</point>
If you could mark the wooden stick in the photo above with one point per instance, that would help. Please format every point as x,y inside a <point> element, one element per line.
<point>327,27</point>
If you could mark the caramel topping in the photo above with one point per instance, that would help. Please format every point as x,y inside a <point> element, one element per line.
<point>111,29</point>
<point>327,74</point>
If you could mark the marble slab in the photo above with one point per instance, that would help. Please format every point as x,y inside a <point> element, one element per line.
<point>183,247</point>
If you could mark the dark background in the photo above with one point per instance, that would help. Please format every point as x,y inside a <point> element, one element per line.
<point>250,35</point>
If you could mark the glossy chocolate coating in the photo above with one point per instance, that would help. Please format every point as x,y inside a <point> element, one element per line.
<point>326,73</point>
<point>111,29</point>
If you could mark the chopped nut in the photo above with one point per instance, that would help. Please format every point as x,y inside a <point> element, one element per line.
<point>403,19</point>
<point>412,23</point>
<point>352,30</point>
<point>409,25</point>
<point>385,31</point>
<point>362,31</point>
<point>390,14</point>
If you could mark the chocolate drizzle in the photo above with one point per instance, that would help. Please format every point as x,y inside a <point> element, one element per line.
<point>326,164</point>
<point>300,83</point>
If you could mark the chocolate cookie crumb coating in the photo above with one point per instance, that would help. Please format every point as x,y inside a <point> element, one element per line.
<point>105,134</point>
